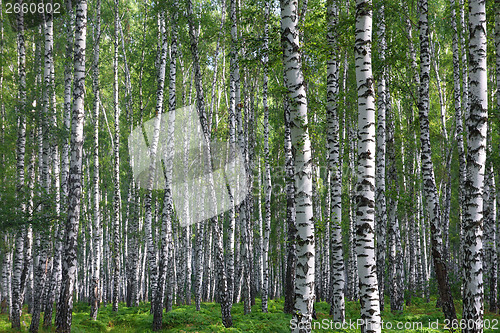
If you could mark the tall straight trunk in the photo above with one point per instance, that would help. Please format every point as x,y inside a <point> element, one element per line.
<point>301,145</point>
<point>395,251</point>
<point>476,159</point>
<point>116,170</point>
<point>430,190</point>
<point>234,110</point>
<point>171,105</point>
<point>291,247</point>
<point>267,171</point>
<point>95,294</point>
<point>47,105</point>
<point>465,111</point>
<point>334,167</point>
<point>17,287</point>
<point>52,284</point>
<point>365,196</point>
<point>221,274</point>
<point>458,112</point>
<point>168,208</point>
<point>381,210</point>
<point>65,304</point>
<point>5,299</point>
<point>153,148</point>
<point>243,133</point>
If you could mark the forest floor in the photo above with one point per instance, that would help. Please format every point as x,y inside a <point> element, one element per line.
<point>184,318</point>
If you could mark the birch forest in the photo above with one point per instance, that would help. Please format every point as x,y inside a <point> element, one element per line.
<point>250,166</point>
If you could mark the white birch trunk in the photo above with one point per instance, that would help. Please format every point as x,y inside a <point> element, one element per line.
<point>430,190</point>
<point>337,257</point>
<point>95,294</point>
<point>116,170</point>
<point>304,281</point>
<point>365,196</point>
<point>65,305</point>
<point>476,159</point>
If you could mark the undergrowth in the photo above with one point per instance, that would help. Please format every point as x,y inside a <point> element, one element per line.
<point>185,318</point>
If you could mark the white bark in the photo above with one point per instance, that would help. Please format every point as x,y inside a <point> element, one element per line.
<point>476,159</point>
<point>334,166</point>
<point>365,196</point>
<point>96,269</point>
<point>65,305</point>
<point>430,190</point>
<point>294,79</point>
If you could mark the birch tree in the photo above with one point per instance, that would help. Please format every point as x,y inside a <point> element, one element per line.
<point>267,169</point>
<point>18,261</point>
<point>430,190</point>
<point>65,304</point>
<point>381,210</point>
<point>334,166</point>
<point>153,148</point>
<point>116,169</point>
<point>95,293</point>
<point>476,159</point>
<point>365,195</point>
<point>304,274</point>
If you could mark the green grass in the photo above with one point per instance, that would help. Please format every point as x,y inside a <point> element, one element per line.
<point>184,318</point>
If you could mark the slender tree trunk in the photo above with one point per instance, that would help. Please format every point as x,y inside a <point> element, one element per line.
<point>65,304</point>
<point>365,196</point>
<point>430,191</point>
<point>334,166</point>
<point>95,294</point>
<point>234,110</point>
<point>221,274</point>
<point>267,171</point>
<point>458,114</point>
<point>291,248</point>
<point>301,145</point>
<point>53,283</point>
<point>380,210</point>
<point>395,250</point>
<point>168,208</point>
<point>17,286</point>
<point>116,171</point>
<point>476,159</point>
<point>153,148</point>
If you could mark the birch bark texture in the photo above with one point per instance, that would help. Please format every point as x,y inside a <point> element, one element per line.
<point>17,287</point>
<point>381,207</point>
<point>95,292</point>
<point>334,167</point>
<point>116,170</point>
<point>65,304</point>
<point>267,171</point>
<point>477,124</point>
<point>365,185</point>
<point>429,181</point>
<point>301,146</point>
